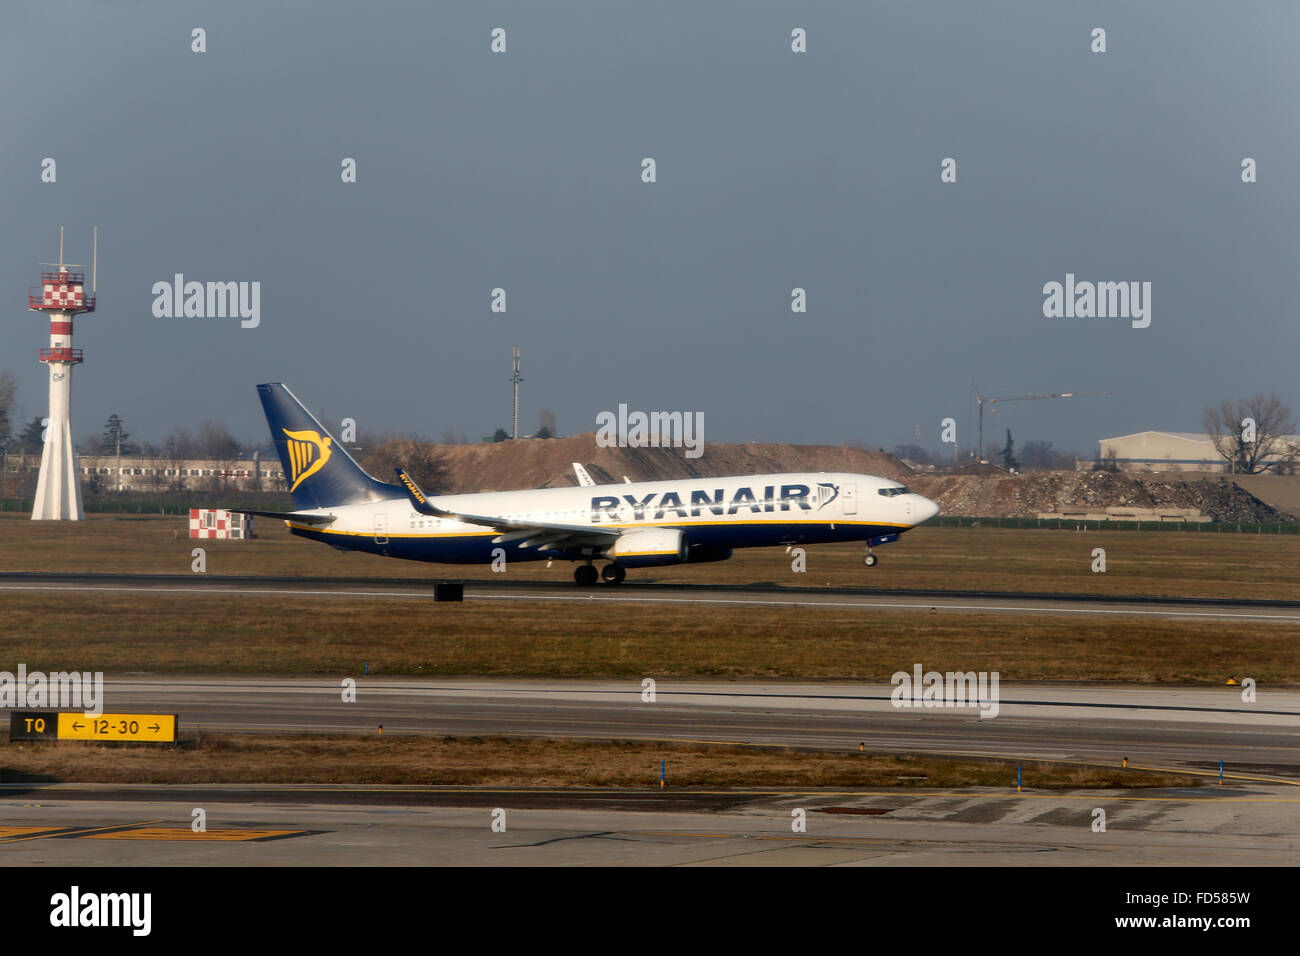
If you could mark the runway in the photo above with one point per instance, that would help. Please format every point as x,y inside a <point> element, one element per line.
<point>865,599</point>
<point>1179,728</point>
<point>1249,819</point>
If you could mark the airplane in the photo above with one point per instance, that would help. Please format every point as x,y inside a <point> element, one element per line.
<point>632,525</point>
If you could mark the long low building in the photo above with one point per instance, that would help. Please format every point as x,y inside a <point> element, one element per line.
<point>1166,451</point>
<point>151,473</point>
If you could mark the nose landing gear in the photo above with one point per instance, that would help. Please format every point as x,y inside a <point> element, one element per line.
<point>869,559</point>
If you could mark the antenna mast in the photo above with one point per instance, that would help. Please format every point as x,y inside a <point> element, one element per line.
<point>516,380</point>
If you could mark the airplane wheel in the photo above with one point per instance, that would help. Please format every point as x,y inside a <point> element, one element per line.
<point>584,575</point>
<point>614,573</point>
<point>869,560</point>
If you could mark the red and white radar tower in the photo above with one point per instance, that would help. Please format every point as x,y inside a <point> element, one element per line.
<point>62,296</point>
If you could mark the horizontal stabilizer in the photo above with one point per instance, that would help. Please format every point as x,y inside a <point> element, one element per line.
<point>297,516</point>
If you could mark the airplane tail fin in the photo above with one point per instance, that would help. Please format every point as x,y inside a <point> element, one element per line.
<point>319,471</point>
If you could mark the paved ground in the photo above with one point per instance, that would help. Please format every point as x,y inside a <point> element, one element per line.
<point>866,599</point>
<point>1230,826</point>
<point>1189,728</point>
<point>1251,819</point>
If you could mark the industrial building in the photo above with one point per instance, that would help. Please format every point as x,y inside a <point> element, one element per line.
<point>1166,451</point>
<point>101,473</point>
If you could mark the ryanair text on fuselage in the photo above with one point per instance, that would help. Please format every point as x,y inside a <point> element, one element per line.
<point>608,507</point>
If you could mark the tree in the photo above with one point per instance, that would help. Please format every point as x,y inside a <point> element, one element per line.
<point>8,387</point>
<point>419,459</point>
<point>178,445</point>
<point>1042,456</point>
<point>1109,462</point>
<point>176,448</point>
<point>115,437</point>
<point>32,438</point>
<point>500,435</point>
<point>214,441</point>
<point>1009,454</point>
<point>1252,435</point>
<point>546,424</point>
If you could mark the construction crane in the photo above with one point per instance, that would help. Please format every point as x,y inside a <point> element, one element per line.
<point>980,400</point>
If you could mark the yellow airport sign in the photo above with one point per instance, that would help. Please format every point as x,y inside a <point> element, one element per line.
<point>157,728</point>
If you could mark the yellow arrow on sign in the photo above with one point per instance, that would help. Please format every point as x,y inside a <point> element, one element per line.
<point>157,728</point>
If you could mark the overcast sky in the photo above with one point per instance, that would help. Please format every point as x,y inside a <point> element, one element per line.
<point>775,170</point>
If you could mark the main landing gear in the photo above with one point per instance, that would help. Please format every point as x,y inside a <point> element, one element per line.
<point>585,574</point>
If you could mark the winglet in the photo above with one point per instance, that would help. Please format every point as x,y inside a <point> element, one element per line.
<point>418,501</point>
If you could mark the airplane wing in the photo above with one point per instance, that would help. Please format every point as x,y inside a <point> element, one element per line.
<point>584,479</point>
<point>530,534</point>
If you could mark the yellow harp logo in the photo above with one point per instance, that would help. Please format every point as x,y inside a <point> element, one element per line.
<point>308,453</point>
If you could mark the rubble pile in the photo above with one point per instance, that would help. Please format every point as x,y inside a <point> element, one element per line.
<point>1027,496</point>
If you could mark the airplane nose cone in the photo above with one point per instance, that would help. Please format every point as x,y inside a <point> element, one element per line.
<point>923,509</point>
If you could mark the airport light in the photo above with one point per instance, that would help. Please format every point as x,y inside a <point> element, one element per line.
<point>62,296</point>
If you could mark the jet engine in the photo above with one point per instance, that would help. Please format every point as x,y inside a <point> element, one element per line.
<point>651,547</point>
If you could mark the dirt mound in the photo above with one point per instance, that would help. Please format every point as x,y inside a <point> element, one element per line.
<point>1060,491</point>
<point>546,463</point>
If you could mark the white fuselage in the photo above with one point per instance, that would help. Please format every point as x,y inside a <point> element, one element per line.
<point>713,514</point>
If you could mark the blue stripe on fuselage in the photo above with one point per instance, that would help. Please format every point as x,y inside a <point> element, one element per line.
<point>478,548</point>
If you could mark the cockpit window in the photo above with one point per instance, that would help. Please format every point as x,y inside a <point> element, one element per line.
<point>891,492</point>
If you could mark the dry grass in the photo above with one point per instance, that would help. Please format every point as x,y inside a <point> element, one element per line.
<point>1147,563</point>
<point>117,632</point>
<point>505,762</point>
<point>272,634</point>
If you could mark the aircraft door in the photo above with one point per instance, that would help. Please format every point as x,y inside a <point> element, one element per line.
<point>381,529</point>
<point>849,495</point>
